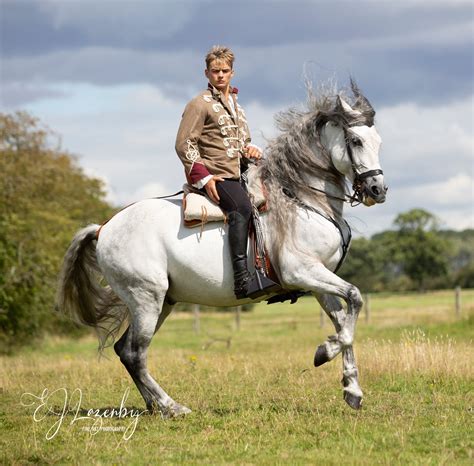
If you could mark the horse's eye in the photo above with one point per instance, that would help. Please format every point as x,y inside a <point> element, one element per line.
<point>356,142</point>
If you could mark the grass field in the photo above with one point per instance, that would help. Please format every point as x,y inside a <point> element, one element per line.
<point>255,396</point>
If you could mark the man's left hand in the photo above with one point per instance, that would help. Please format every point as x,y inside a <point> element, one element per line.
<point>252,152</point>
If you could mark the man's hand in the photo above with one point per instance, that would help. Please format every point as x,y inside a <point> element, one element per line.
<point>252,152</point>
<point>211,190</point>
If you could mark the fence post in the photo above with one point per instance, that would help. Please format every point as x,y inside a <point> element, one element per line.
<point>458,301</point>
<point>238,311</point>
<point>321,317</point>
<point>196,322</point>
<point>367,308</point>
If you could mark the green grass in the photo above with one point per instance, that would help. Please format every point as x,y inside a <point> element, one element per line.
<point>256,398</point>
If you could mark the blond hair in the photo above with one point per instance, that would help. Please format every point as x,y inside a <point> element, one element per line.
<point>220,52</point>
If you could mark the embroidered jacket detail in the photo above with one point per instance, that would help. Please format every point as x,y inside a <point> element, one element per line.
<point>192,154</point>
<point>222,119</point>
<point>225,128</point>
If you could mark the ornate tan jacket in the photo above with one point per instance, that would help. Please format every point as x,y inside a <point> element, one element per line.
<point>210,139</point>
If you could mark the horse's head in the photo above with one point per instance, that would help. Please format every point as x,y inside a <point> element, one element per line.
<point>350,136</point>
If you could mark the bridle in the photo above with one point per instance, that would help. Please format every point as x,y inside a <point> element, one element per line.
<point>359,178</point>
<point>358,193</point>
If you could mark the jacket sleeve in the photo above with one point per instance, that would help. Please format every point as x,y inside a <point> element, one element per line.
<point>187,141</point>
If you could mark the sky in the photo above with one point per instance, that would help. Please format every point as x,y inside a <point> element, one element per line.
<point>112,78</point>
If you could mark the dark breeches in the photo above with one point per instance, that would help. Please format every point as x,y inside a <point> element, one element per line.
<point>234,198</point>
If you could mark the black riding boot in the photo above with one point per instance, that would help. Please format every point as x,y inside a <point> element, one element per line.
<point>238,240</point>
<point>246,285</point>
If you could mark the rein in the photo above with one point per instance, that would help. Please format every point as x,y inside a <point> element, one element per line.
<point>347,198</point>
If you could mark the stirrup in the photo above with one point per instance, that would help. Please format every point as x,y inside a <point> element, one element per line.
<point>260,285</point>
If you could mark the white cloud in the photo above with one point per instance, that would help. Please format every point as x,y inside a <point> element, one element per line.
<point>147,191</point>
<point>125,134</point>
<point>425,144</point>
<point>455,192</point>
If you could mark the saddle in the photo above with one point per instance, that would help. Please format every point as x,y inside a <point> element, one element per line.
<point>198,209</point>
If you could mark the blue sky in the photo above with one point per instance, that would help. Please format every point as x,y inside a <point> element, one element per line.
<point>112,78</point>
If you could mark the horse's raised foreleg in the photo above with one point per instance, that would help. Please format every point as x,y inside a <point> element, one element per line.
<point>330,348</point>
<point>146,318</point>
<point>322,282</point>
<point>319,280</point>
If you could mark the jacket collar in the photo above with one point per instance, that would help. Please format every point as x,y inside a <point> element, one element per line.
<point>217,94</point>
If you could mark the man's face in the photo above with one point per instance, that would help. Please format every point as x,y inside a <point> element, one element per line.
<point>219,74</point>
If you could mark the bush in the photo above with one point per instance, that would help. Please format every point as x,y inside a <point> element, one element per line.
<point>44,198</point>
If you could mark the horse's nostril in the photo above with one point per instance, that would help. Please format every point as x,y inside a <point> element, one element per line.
<point>375,190</point>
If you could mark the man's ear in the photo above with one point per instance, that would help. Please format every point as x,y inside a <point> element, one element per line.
<point>206,72</point>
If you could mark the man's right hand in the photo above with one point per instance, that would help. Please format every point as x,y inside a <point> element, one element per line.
<point>211,189</point>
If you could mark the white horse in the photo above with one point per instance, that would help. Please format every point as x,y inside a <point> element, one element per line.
<point>151,261</point>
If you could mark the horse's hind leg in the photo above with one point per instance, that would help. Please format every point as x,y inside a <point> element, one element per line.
<point>330,348</point>
<point>147,315</point>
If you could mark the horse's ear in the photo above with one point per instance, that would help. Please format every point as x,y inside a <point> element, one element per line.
<point>362,103</point>
<point>344,107</point>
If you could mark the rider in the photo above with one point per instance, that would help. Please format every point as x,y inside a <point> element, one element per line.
<point>213,142</point>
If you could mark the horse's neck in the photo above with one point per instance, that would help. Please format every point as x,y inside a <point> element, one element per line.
<point>330,188</point>
<point>333,195</point>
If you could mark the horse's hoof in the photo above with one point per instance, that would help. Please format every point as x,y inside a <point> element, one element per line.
<point>354,401</point>
<point>175,411</point>
<point>321,355</point>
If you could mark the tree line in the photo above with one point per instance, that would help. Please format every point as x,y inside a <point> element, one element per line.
<point>415,255</point>
<point>45,197</point>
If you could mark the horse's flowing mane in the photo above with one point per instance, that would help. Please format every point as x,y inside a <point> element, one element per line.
<point>297,154</point>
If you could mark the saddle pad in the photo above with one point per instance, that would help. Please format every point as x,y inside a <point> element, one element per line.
<point>199,209</point>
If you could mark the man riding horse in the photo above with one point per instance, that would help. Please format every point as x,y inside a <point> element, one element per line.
<point>213,142</point>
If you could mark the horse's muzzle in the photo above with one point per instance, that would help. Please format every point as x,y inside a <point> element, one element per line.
<point>375,191</point>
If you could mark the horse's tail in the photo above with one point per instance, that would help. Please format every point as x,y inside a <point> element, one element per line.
<point>81,294</point>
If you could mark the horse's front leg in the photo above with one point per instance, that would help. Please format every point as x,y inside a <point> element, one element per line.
<point>330,348</point>
<point>321,281</point>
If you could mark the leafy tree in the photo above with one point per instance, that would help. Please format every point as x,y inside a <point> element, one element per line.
<point>364,265</point>
<point>44,198</point>
<point>423,254</point>
<point>461,258</point>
